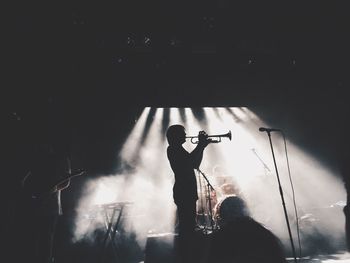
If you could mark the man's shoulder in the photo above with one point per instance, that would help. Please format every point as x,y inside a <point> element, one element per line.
<point>175,148</point>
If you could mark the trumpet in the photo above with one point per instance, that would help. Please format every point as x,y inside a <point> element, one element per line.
<point>194,141</point>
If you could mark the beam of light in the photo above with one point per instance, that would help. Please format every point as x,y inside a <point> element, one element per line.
<point>217,126</point>
<point>236,155</point>
<point>166,120</point>
<point>104,193</point>
<point>154,168</point>
<point>316,190</point>
<point>251,116</point>
<point>108,188</point>
<point>132,143</point>
<point>240,112</point>
<point>247,159</point>
<point>154,143</point>
<point>316,187</point>
<point>193,126</point>
<point>175,117</point>
<point>148,187</point>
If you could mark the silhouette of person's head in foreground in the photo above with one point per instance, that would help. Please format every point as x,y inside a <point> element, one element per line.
<point>241,239</point>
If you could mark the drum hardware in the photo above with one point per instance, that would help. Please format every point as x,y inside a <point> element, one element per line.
<point>209,190</point>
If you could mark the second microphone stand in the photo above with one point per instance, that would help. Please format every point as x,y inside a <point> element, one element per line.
<point>209,189</point>
<point>281,193</point>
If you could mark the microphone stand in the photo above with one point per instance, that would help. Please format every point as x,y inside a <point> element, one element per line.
<point>282,198</point>
<point>209,188</point>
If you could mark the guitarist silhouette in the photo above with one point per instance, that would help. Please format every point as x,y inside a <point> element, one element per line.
<point>50,173</point>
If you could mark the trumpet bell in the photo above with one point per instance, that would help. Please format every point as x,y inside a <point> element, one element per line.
<point>229,135</point>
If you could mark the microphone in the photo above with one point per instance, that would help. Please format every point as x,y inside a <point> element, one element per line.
<point>262,129</point>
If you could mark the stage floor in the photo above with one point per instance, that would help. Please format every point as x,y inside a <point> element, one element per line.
<point>341,257</point>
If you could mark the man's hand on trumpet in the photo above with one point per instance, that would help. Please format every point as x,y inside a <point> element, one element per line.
<point>203,139</point>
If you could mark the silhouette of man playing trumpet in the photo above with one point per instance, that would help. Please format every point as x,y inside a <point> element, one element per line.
<point>185,195</point>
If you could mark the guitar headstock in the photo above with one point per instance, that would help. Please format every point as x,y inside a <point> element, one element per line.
<point>77,172</point>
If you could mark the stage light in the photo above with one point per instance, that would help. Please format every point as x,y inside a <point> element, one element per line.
<point>246,159</point>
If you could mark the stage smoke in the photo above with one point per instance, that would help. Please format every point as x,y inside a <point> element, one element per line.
<point>244,163</point>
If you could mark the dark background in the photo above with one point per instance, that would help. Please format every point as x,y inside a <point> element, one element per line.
<point>80,73</point>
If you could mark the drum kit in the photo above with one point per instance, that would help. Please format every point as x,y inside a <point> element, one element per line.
<point>228,202</point>
<point>226,192</point>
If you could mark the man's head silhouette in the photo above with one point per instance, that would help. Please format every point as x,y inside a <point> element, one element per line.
<point>176,134</point>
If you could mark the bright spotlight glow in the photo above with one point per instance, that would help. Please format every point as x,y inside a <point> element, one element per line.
<point>148,187</point>
<point>154,146</point>
<point>175,117</point>
<point>192,125</point>
<point>133,141</point>
<point>246,162</point>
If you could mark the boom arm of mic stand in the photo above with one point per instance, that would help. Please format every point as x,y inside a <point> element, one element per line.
<point>263,163</point>
<point>206,179</point>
